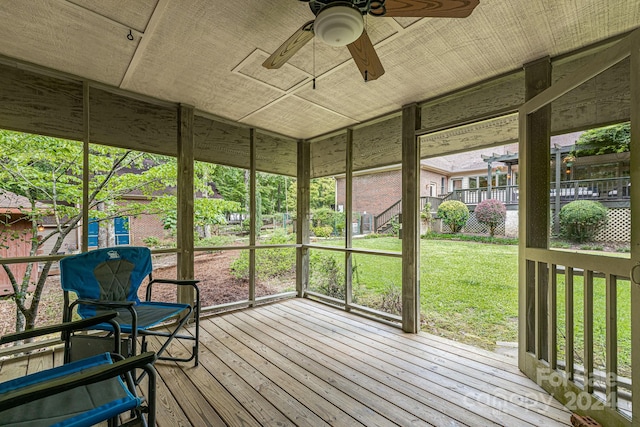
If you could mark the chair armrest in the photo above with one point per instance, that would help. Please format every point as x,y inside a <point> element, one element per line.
<point>176,282</point>
<point>89,376</point>
<point>63,327</point>
<point>192,283</point>
<point>106,304</point>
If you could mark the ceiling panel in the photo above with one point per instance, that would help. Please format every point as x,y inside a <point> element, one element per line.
<point>134,14</point>
<point>60,35</point>
<point>296,117</point>
<point>207,53</point>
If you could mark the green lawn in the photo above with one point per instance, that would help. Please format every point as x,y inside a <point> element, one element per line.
<point>469,293</point>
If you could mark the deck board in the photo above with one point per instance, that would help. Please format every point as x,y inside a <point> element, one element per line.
<point>445,365</point>
<point>299,362</point>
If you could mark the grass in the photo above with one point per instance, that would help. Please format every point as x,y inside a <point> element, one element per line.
<point>469,293</point>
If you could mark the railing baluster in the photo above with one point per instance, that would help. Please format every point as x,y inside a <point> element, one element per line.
<point>552,317</point>
<point>588,331</point>
<point>568,300</point>
<point>542,324</point>
<point>612,341</point>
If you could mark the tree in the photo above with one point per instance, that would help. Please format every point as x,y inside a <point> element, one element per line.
<point>273,192</point>
<point>322,193</point>
<point>606,140</point>
<point>47,172</point>
<point>491,212</point>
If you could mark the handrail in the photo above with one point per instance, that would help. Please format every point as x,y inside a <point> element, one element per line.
<point>386,216</point>
<point>392,211</point>
<point>602,189</point>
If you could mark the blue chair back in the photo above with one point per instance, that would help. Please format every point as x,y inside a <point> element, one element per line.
<point>109,274</point>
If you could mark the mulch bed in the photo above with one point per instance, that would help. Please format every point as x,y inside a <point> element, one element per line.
<point>217,286</point>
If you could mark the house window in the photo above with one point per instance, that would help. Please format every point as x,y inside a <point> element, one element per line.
<point>120,230</point>
<point>473,182</point>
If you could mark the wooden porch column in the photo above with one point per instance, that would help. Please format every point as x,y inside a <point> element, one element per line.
<point>184,231</point>
<point>253,216</point>
<point>303,214</point>
<point>534,216</point>
<point>556,210</point>
<point>348,213</point>
<point>410,219</point>
<point>634,192</point>
<point>86,114</point>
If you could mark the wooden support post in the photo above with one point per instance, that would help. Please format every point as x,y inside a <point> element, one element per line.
<point>635,213</point>
<point>489,182</point>
<point>410,219</point>
<point>348,214</point>
<point>535,136</point>
<point>556,209</point>
<point>86,116</point>
<point>253,216</point>
<point>302,225</point>
<point>186,294</point>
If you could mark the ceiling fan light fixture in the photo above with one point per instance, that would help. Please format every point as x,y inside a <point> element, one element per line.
<point>338,25</point>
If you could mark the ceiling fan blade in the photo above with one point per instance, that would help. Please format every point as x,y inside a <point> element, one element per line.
<point>366,58</point>
<point>290,47</point>
<point>430,8</point>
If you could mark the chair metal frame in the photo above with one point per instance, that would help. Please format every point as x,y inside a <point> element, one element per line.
<point>133,329</point>
<point>67,378</point>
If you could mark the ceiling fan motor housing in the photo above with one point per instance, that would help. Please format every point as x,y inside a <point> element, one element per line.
<point>338,24</point>
<point>373,7</point>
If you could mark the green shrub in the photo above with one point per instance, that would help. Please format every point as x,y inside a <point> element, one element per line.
<point>151,241</point>
<point>326,275</point>
<point>213,241</point>
<point>470,238</point>
<point>156,242</point>
<point>323,231</point>
<point>391,299</point>
<point>270,262</point>
<point>454,214</point>
<point>582,219</point>
<point>327,217</point>
<point>491,212</point>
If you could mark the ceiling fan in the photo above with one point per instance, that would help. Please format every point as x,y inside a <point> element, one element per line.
<point>340,23</point>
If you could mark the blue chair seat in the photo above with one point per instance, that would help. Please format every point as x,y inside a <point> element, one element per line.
<point>84,405</point>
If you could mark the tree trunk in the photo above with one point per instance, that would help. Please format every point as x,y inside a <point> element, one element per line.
<point>102,231</point>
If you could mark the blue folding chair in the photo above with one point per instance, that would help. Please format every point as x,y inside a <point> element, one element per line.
<point>81,393</point>
<point>108,279</point>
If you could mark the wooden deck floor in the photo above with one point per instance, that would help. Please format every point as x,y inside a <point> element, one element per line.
<point>302,363</point>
